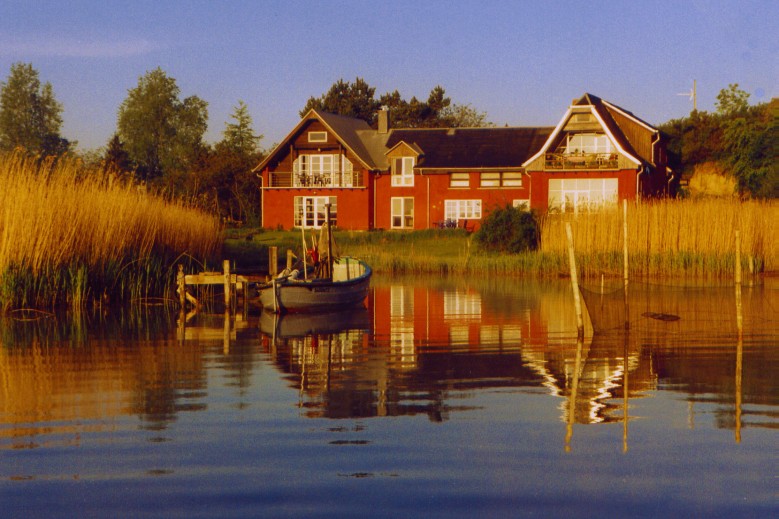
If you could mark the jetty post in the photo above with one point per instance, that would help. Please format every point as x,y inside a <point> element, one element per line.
<point>228,296</point>
<point>625,260</point>
<point>273,260</point>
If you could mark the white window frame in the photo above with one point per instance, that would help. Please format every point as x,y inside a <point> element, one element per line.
<point>588,143</point>
<point>403,171</point>
<point>489,179</point>
<point>462,209</point>
<point>399,209</point>
<point>576,195</point>
<point>459,179</point>
<point>523,204</point>
<point>511,179</point>
<point>324,168</point>
<point>310,211</point>
<point>317,136</point>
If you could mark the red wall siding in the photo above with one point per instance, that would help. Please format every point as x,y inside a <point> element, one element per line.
<point>353,206</point>
<point>434,189</point>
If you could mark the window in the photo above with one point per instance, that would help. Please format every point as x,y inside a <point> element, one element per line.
<point>323,170</point>
<point>402,213</point>
<point>462,209</point>
<point>490,180</point>
<point>575,195</point>
<point>505,179</point>
<point>522,205</point>
<point>587,143</point>
<point>317,136</point>
<point>310,211</point>
<point>512,179</point>
<point>403,171</point>
<point>459,180</point>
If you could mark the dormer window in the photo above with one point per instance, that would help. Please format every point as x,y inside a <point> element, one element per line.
<point>317,136</point>
<point>403,171</point>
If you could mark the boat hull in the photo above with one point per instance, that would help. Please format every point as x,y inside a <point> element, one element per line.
<point>286,295</point>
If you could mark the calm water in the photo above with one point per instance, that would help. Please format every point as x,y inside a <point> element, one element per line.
<point>442,398</point>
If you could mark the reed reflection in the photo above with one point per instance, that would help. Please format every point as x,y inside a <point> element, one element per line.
<point>60,377</point>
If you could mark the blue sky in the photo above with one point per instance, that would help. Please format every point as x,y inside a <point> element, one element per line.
<point>521,62</point>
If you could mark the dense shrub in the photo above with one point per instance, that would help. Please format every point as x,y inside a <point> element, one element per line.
<point>508,229</point>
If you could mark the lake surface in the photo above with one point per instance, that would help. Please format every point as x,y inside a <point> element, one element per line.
<point>441,398</point>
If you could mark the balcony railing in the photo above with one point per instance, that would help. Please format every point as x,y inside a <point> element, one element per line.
<point>581,161</point>
<point>335,179</point>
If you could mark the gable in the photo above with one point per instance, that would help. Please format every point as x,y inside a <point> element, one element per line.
<point>403,149</point>
<point>345,133</point>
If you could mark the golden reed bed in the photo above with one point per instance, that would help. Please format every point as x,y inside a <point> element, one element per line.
<point>60,222</point>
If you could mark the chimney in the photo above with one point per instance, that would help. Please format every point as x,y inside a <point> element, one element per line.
<point>383,120</point>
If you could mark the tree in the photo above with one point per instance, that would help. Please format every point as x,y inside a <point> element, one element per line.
<point>357,100</point>
<point>30,116</point>
<point>415,113</point>
<point>464,116</point>
<point>116,155</point>
<point>239,136</point>
<point>161,134</point>
<point>223,181</point>
<point>349,99</point>
<point>732,100</point>
<point>749,142</point>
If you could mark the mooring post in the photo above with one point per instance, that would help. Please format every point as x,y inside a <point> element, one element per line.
<point>226,269</point>
<point>180,281</point>
<point>273,265</point>
<point>574,282</point>
<point>289,260</point>
<point>625,260</point>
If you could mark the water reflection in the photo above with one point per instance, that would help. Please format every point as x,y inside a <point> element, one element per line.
<point>421,347</point>
<point>428,344</point>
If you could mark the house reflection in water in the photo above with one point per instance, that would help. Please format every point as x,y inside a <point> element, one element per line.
<point>422,347</point>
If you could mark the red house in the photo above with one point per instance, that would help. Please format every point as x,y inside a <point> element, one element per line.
<point>396,178</point>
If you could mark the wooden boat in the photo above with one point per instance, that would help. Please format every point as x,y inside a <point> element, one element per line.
<point>336,283</point>
<point>347,287</point>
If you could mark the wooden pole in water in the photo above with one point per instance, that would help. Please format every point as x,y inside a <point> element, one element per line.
<point>180,280</point>
<point>228,298</point>
<point>574,283</point>
<point>740,330</point>
<point>625,241</point>
<point>289,260</point>
<point>625,260</point>
<point>273,261</point>
<point>303,238</point>
<point>329,243</point>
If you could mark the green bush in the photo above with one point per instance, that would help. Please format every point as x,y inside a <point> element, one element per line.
<point>508,229</point>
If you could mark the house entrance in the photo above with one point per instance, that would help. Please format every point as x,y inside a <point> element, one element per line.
<point>310,211</point>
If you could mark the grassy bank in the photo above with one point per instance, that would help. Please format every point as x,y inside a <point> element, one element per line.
<point>665,238</point>
<point>69,236</point>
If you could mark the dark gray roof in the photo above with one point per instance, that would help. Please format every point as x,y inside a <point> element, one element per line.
<point>472,148</point>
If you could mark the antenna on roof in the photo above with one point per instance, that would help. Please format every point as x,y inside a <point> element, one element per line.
<point>693,95</point>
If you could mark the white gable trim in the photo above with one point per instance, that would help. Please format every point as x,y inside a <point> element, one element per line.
<point>629,116</point>
<point>560,126</point>
<point>312,114</point>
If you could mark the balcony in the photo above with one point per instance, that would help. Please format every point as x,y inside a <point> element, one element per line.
<point>587,161</point>
<point>337,179</point>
